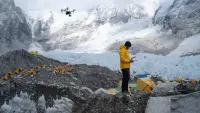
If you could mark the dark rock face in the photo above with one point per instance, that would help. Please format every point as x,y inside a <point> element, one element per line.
<point>14,29</point>
<point>182,18</point>
<point>120,103</point>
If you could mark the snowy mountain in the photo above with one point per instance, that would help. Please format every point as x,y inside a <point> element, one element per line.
<point>58,31</point>
<point>14,30</point>
<point>109,25</point>
<point>181,16</point>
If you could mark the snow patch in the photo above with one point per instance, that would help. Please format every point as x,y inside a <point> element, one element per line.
<point>63,105</point>
<point>190,44</point>
<point>35,46</point>
<point>19,104</point>
<point>164,7</point>
<point>23,104</point>
<point>150,6</point>
<point>109,34</point>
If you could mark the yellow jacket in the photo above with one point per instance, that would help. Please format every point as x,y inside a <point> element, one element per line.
<point>124,57</point>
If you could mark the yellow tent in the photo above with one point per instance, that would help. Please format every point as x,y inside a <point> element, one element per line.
<point>34,52</point>
<point>113,91</point>
<point>144,84</point>
<point>158,82</point>
<point>193,81</point>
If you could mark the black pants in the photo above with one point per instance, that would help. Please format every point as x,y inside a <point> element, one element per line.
<point>125,80</point>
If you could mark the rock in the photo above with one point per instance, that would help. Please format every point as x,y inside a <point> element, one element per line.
<point>92,76</point>
<point>182,18</point>
<point>19,104</point>
<point>63,105</point>
<point>41,106</point>
<point>102,92</point>
<point>120,103</point>
<point>174,104</point>
<point>5,87</point>
<point>72,83</point>
<point>158,105</point>
<point>22,59</point>
<point>165,87</point>
<point>86,92</point>
<point>15,32</point>
<point>23,103</point>
<point>186,103</point>
<point>190,54</point>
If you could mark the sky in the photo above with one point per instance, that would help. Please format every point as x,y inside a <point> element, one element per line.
<point>57,5</point>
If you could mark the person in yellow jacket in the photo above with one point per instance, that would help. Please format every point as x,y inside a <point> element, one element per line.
<point>125,61</point>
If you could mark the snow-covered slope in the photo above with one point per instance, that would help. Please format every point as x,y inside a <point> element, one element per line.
<point>23,103</point>
<point>182,17</point>
<point>189,45</point>
<point>162,11</point>
<point>109,25</point>
<point>58,31</point>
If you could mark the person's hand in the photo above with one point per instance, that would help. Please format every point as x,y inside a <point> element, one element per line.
<point>131,61</point>
<point>133,57</point>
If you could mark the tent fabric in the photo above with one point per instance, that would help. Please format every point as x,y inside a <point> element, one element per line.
<point>114,91</point>
<point>34,52</point>
<point>143,83</point>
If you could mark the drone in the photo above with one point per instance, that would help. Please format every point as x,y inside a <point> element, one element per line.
<point>67,12</point>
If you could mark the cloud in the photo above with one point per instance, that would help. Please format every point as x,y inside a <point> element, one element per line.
<point>57,4</point>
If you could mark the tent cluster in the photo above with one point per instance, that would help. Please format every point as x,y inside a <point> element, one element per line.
<point>34,70</point>
<point>57,70</point>
<point>187,85</point>
<point>62,69</point>
<point>146,84</point>
<point>18,71</point>
<point>182,81</point>
<point>143,83</point>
